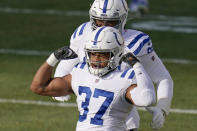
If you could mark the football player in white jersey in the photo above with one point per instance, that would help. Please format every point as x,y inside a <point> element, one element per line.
<point>105,93</point>
<point>114,13</point>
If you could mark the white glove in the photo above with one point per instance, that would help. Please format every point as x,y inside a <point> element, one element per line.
<point>62,98</point>
<point>158,117</point>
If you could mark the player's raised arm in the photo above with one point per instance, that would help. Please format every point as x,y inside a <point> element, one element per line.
<point>142,94</point>
<point>44,84</point>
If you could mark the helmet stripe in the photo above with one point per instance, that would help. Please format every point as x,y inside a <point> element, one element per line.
<point>124,5</point>
<point>105,6</point>
<point>97,35</point>
<point>134,41</point>
<point>117,38</point>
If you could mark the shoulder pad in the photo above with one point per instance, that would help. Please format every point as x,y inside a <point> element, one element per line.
<point>79,70</point>
<point>81,65</point>
<point>137,42</point>
<point>80,31</point>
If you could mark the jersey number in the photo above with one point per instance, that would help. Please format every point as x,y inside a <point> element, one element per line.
<point>96,120</point>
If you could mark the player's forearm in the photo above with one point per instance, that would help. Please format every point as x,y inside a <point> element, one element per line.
<point>161,77</point>
<point>163,81</point>
<point>144,93</point>
<point>165,94</point>
<point>165,88</point>
<point>43,84</point>
<point>41,78</point>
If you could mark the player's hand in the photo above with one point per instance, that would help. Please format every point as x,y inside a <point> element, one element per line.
<point>130,59</point>
<point>61,54</point>
<point>65,53</point>
<point>158,117</point>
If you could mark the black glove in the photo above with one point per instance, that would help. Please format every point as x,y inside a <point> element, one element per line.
<point>130,59</point>
<point>65,53</point>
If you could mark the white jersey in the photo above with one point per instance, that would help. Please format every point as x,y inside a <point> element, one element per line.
<point>140,45</point>
<point>101,101</point>
<point>136,42</point>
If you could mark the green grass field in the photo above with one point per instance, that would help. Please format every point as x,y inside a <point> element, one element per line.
<point>44,32</point>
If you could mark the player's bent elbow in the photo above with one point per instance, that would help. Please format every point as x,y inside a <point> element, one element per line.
<point>36,89</point>
<point>148,98</point>
<point>170,86</point>
<point>171,82</point>
<point>167,81</point>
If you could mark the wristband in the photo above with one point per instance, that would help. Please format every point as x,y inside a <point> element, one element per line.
<point>52,60</point>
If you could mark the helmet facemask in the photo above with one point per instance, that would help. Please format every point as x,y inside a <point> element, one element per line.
<point>107,43</point>
<point>117,10</point>
<point>103,67</point>
<point>115,22</point>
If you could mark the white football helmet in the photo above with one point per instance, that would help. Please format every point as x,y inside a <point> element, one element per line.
<point>105,40</point>
<point>109,10</point>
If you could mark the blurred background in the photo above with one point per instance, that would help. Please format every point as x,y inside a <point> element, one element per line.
<point>31,29</point>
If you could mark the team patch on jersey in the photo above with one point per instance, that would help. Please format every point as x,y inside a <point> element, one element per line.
<point>153,58</point>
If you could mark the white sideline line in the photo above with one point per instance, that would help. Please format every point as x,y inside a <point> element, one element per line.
<point>23,52</point>
<point>178,26</point>
<point>181,111</point>
<point>178,61</point>
<point>30,102</point>
<point>41,53</point>
<point>42,103</point>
